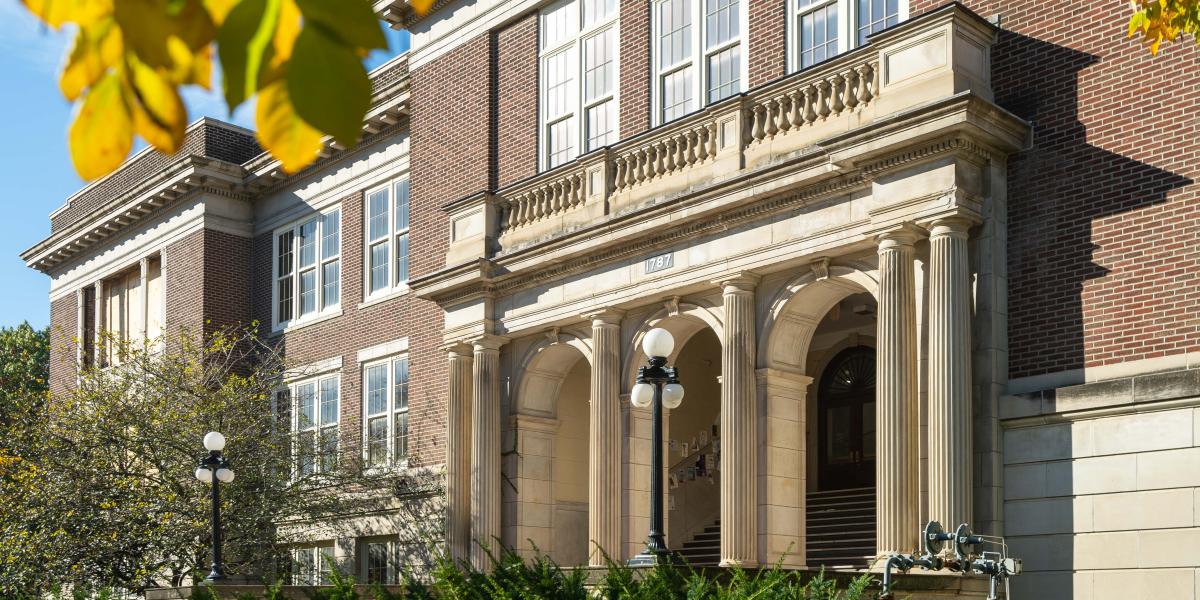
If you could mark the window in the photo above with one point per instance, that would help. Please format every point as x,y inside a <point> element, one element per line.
<point>380,562</point>
<point>314,417</point>
<point>132,309</point>
<point>387,238</point>
<point>698,54</point>
<point>385,404</point>
<point>308,269</point>
<point>312,565</point>
<point>578,84</point>
<point>821,29</point>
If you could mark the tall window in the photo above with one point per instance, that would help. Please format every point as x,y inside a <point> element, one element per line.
<point>386,409</point>
<point>821,29</point>
<point>387,238</point>
<point>314,416</point>
<point>380,562</point>
<point>132,309</point>
<point>312,565</point>
<point>308,268</point>
<point>698,54</point>
<point>578,78</point>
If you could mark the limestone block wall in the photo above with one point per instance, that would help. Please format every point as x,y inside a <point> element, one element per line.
<point>1102,497</point>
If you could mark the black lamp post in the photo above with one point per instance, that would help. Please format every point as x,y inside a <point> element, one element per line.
<point>215,469</point>
<point>657,386</point>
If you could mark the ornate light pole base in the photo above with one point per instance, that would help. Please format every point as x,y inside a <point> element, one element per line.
<point>650,558</point>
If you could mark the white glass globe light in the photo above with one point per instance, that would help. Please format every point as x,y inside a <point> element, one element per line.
<point>214,441</point>
<point>225,475</point>
<point>643,395</point>
<point>204,475</point>
<point>672,395</point>
<point>658,342</point>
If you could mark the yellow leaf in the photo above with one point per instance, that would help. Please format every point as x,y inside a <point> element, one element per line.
<point>88,59</point>
<point>422,6</point>
<point>158,112</point>
<point>80,12</point>
<point>282,132</point>
<point>102,133</point>
<point>286,32</point>
<point>201,74</point>
<point>217,9</point>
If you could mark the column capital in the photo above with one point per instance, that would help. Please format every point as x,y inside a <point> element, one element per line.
<point>605,317</point>
<point>489,341</point>
<point>956,226</point>
<point>739,282</point>
<point>900,236</point>
<point>458,348</point>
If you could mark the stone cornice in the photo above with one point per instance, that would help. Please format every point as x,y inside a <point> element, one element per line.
<point>400,14</point>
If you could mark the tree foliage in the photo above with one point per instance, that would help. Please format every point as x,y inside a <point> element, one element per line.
<point>105,495</point>
<point>24,373</point>
<point>1158,21</point>
<point>131,57</point>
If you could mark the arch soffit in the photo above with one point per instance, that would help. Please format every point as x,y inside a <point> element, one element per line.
<point>544,366</point>
<point>798,307</point>
<point>683,320</point>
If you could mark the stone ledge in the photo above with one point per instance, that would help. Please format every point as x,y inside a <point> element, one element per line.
<point>1125,392</point>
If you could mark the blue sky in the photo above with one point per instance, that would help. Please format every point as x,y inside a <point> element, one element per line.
<point>35,166</point>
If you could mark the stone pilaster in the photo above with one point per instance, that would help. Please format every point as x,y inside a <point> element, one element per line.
<point>485,449</point>
<point>604,452</point>
<point>143,299</point>
<point>739,426</point>
<point>80,315</point>
<point>950,450</point>
<point>100,308</point>
<point>458,453</point>
<point>897,472</point>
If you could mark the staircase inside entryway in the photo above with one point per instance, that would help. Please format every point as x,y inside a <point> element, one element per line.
<point>841,528</point>
<point>704,550</point>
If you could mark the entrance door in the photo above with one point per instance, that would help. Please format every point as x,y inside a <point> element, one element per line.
<point>846,413</point>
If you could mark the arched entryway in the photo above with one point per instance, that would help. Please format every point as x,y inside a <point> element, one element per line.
<point>846,421</point>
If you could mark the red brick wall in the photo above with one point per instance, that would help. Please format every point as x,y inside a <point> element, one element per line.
<point>1104,217</point>
<point>516,100</point>
<point>767,40</point>
<point>226,280</point>
<point>635,67</point>
<point>63,329</point>
<point>184,263</point>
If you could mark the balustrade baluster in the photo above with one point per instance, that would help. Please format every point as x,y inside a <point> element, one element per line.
<point>851,79</point>
<point>697,145</point>
<point>835,95</point>
<point>823,99</point>
<point>756,130</point>
<point>711,141</point>
<point>642,159</point>
<point>810,101</point>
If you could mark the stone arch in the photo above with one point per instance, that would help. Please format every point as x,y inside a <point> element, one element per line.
<point>683,320</point>
<point>543,368</point>
<point>798,307</point>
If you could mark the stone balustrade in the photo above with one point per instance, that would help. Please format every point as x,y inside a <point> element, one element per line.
<point>808,101</point>
<point>545,199</point>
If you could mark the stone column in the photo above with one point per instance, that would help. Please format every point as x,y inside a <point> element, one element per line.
<point>739,426</point>
<point>100,306</point>
<point>897,472</point>
<point>950,451</point>
<point>485,450</point>
<point>458,453</point>
<point>80,328</point>
<point>604,449</point>
<point>143,301</point>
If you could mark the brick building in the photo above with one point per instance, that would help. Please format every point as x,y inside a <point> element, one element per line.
<point>921,261</point>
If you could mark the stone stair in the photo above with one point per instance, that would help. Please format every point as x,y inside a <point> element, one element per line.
<point>704,550</point>
<point>841,528</point>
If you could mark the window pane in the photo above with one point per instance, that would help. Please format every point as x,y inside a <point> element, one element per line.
<point>721,21</point>
<point>560,83</point>
<point>330,279</point>
<point>724,74</point>
<point>595,11</point>
<point>308,243</point>
<point>598,65</point>
<point>379,267</point>
<point>377,440</point>
<point>305,449</point>
<point>876,15</point>
<point>377,562</point>
<point>329,449</point>
<point>675,32</point>
<point>308,292</point>
<point>329,400</point>
<point>400,383</point>
<point>562,141</point>
<point>331,235</point>
<point>306,409</point>
<point>400,444</point>
<point>304,566</point>
<point>402,193</point>
<point>284,248</point>
<point>677,94</point>
<point>559,24</point>
<point>376,389</point>
<point>377,212</point>
<point>600,122</point>
<point>285,299</point>
<point>402,258</point>
<point>818,35</point>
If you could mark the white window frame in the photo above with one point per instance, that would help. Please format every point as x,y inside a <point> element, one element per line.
<point>391,411</point>
<point>320,428</point>
<point>581,105</point>
<point>698,57</point>
<point>322,309</point>
<point>395,284</point>
<point>323,562</point>
<point>847,29</point>
<point>392,549</point>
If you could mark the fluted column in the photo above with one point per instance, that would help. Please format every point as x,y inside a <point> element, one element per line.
<point>950,451</point>
<point>485,449</point>
<point>896,465</point>
<point>739,426</point>
<point>99,306</point>
<point>458,453</point>
<point>604,436</point>
<point>143,300</point>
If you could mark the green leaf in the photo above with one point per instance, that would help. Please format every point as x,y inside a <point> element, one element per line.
<point>328,84</point>
<point>243,43</point>
<point>351,21</point>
